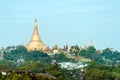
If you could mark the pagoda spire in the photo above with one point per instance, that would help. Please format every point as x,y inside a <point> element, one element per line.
<point>35,36</point>
<point>35,27</point>
<point>36,42</point>
<point>91,42</point>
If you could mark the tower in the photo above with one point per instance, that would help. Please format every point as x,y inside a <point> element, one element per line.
<point>1,54</point>
<point>85,47</point>
<point>36,43</point>
<point>91,42</point>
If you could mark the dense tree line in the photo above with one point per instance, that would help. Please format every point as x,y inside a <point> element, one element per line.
<point>17,76</point>
<point>104,66</point>
<point>35,55</point>
<point>101,72</point>
<point>103,57</point>
<point>61,57</point>
<point>36,61</point>
<point>38,67</point>
<point>22,52</point>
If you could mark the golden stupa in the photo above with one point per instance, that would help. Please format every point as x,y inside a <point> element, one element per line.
<point>35,43</point>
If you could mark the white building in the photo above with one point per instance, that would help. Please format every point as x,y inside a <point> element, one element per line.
<point>71,66</point>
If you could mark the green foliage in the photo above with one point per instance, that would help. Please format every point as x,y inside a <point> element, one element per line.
<point>107,53</point>
<point>14,76</point>
<point>34,66</point>
<point>91,49</point>
<point>83,52</point>
<point>102,57</point>
<point>7,65</point>
<point>97,72</point>
<point>38,56</point>
<point>21,52</point>
<point>76,47</point>
<point>60,78</point>
<point>45,78</point>
<point>101,68</point>
<point>98,75</point>
<point>116,76</point>
<point>55,70</point>
<point>15,53</point>
<point>60,57</point>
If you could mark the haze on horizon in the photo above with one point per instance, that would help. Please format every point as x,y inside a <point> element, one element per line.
<point>61,22</point>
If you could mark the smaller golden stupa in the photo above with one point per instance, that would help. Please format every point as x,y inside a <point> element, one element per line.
<point>35,42</point>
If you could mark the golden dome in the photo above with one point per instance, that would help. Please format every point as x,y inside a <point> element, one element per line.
<point>35,42</point>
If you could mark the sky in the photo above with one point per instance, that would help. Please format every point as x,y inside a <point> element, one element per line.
<point>61,22</point>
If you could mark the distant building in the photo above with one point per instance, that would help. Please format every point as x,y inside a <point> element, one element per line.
<point>72,66</point>
<point>91,43</point>
<point>20,61</point>
<point>56,49</point>
<point>1,54</point>
<point>36,43</point>
<point>85,47</point>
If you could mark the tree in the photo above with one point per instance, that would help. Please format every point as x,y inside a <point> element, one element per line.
<point>60,57</point>
<point>97,72</point>
<point>83,52</point>
<point>13,76</point>
<point>91,51</point>
<point>60,78</point>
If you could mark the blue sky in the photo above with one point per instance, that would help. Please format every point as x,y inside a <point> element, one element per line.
<point>61,22</point>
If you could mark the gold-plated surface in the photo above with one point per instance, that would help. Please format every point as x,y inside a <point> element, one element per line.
<point>35,42</point>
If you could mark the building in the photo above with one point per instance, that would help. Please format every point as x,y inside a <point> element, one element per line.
<point>91,43</point>
<point>1,54</point>
<point>71,65</point>
<point>36,43</point>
